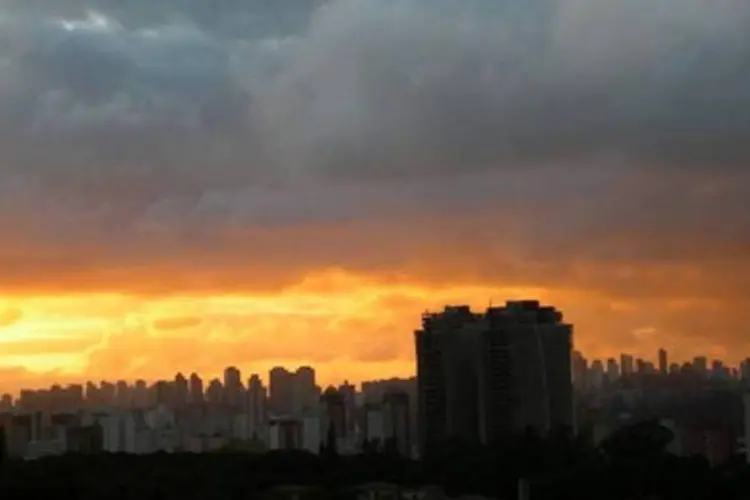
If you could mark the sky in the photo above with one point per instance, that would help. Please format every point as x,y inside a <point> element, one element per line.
<point>187,185</point>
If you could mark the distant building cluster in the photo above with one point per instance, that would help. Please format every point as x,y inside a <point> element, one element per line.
<point>705,403</point>
<point>185,414</point>
<point>482,377</point>
<point>598,373</point>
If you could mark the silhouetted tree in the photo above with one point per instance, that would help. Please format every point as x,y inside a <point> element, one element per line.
<point>638,442</point>
<point>620,470</point>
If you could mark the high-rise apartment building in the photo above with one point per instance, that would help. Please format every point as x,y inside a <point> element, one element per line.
<point>195,390</point>
<point>140,394</point>
<point>580,370</point>
<point>334,412</point>
<point>214,392</point>
<point>164,391</point>
<point>373,392</point>
<point>640,366</point>
<point>92,395</point>
<point>181,391</point>
<point>596,374</point>
<point>626,365</point>
<point>395,421</point>
<point>663,362</point>
<point>525,370</point>
<point>613,370</point>
<point>6,403</point>
<point>304,391</point>
<point>484,376</point>
<point>107,393</point>
<point>291,393</point>
<point>124,395</point>
<point>349,392</point>
<point>282,391</point>
<point>745,370</point>
<point>232,387</point>
<point>446,349</point>
<point>700,365</point>
<point>256,403</point>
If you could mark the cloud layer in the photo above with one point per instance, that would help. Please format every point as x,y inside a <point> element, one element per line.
<point>120,110</point>
<point>359,328</point>
<point>240,145</point>
<point>137,127</point>
<point>371,88</point>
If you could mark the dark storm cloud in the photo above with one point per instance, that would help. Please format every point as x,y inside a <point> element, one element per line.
<point>623,122</point>
<point>375,86</point>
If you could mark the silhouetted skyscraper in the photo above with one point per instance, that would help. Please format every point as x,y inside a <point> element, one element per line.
<point>232,387</point>
<point>663,362</point>
<point>93,397</point>
<point>304,393</point>
<point>350,405</point>
<point>163,392</point>
<point>256,403</point>
<point>526,377</point>
<point>124,394</point>
<point>214,392</point>
<point>613,371</point>
<point>596,374</point>
<point>446,376</point>
<point>626,365</point>
<point>396,425</point>
<point>281,387</point>
<point>140,394</point>
<point>181,390</point>
<point>580,370</point>
<point>107,393</point>
<point>483,376</point>
<point>292,392</point>
<point>640,366</point>
<point>195,389</point>
<point>745,370</point>
<point>700,365</point>
<point>334,412</point>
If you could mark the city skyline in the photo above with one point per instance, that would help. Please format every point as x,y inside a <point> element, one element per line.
<point>482,377</point>
<point>288,182</point>
<point>660,362</point>
<point>352,370</point>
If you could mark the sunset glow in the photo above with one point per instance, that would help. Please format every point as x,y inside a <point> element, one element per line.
<point>186,188</point>
<point>345,325</point>
<point>342,324</point>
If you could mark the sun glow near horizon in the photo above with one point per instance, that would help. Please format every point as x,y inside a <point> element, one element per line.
<point>348,326</point>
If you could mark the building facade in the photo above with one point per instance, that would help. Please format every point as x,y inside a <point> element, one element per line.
<point>484,376</point>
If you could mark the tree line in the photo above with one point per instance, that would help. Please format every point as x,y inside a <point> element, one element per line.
<point>633,463</point>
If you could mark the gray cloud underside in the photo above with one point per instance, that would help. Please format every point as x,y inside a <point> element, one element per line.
<point>588,117</point>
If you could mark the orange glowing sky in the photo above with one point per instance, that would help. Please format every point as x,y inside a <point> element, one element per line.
<point>284,183</point>
<point>347,326</point>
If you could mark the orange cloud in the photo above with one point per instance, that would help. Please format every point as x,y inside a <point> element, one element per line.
<point>177,323</point>
<point>348,326</point>
<point>256,297</point>
<point>237,221</point>
<point>10,316</point>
